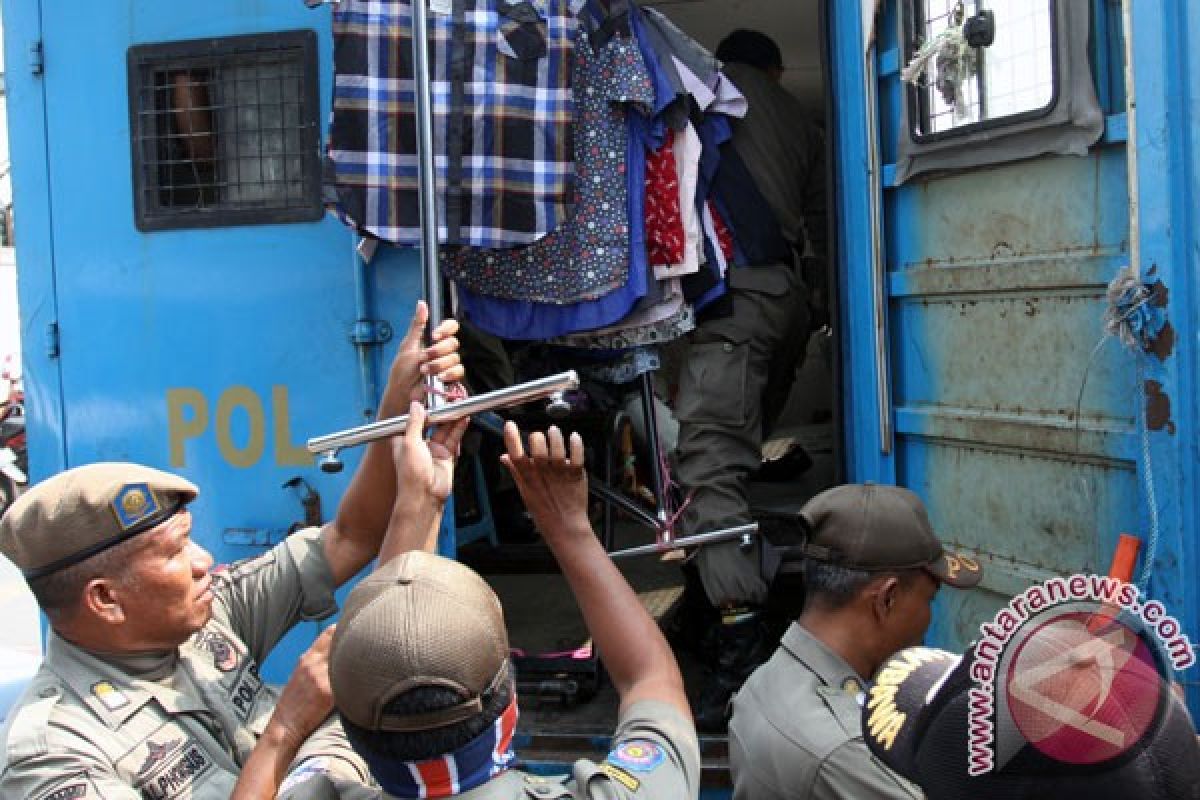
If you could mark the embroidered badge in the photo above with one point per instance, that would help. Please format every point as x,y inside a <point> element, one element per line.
<point>621,776</point>
<point>112,697</point>
<point>156,753</point>
<point>224,654</point>
<point>72,792</point>
<point>639,755</point>
<point>244,693</point>
<point>133,504</point>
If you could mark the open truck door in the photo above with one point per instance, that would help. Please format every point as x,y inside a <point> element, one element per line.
<point>982,214</point>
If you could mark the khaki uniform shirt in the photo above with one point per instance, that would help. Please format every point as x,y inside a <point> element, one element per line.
<point>86,728</point>
<point>796,731</point>
<point>655,756</point>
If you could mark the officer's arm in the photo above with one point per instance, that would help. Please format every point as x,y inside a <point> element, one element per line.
<point>425,470</point>
<point>851,771</point>
<point>305,702</point>
<point>354,537</point>
<point>554,488</point>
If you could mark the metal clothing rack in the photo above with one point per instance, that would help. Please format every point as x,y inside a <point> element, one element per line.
<point>431,277</point>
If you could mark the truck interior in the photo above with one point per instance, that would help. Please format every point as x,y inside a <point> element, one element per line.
<point>565,702</point>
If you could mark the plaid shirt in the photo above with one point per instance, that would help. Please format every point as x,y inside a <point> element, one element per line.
<point>504,160</point>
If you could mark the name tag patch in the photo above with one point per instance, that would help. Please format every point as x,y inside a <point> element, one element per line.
<point>177,773</point>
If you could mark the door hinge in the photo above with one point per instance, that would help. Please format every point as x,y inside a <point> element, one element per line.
<point>52,340</point>
<point>371,331</point>
<point>37,58</point>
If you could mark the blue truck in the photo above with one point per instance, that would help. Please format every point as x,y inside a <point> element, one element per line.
<point>980,208</point>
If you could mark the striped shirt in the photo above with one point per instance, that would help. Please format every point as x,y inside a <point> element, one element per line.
<point>502,113</point>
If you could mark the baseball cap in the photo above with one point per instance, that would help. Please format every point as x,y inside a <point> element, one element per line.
<point>1102,728</point>
<point>418,621</point>
<point>79,513</point>
<point>874,527</point>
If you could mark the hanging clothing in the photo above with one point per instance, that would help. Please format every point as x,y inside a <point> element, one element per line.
<point>588,256</point>
<point>687,150</point>
<point>664,222</point>
<point>502,119</point>
<point>660,324</point>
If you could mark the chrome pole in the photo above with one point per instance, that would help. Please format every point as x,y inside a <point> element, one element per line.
<point>394,426</point>
<point>427,181</point>
<point>427,177</point>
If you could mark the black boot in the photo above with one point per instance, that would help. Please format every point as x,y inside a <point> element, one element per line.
<point>744,643</point>
<point>692,625</point>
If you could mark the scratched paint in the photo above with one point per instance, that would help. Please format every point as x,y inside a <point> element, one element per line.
<point>1010,423</point>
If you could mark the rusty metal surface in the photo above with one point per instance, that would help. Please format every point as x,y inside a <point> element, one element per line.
<point>1020,438</point>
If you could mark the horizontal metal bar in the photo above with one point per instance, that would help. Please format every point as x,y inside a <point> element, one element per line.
<point>712,537</point>
<point>501,398</point>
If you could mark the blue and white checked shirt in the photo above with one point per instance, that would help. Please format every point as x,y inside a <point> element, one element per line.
<point>502,110</point>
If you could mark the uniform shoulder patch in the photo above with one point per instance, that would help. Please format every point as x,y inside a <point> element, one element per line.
<point>621,776</point>
<point>637,755</point>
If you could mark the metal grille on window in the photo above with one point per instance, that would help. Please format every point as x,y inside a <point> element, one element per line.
<point>961,86</point>
<point>225,131</point>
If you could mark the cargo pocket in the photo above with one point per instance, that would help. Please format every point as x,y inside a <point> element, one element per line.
<point>523,31</point>
<point>713,385</point>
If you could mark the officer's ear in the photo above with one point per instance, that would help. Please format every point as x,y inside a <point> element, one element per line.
<point>885,597</point>
<point>102,599</point>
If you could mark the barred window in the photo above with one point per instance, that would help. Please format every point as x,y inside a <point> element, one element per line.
<point>225,131</point>
<point>965,87</point>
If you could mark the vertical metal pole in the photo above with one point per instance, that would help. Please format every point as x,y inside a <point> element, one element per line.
<point>655,447</point>
<point>427,177</point>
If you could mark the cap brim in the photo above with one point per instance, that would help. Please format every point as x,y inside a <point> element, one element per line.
<point>957,570</point>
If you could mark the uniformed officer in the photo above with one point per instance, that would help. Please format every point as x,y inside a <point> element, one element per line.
<point>421,675</point>
<point>739,366</point>
<point>150,686</point>
<point>873,568</point>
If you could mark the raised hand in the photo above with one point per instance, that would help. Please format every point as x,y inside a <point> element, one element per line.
<point>551,479</point>
<point>427,465</point>
<point>414,361</point>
